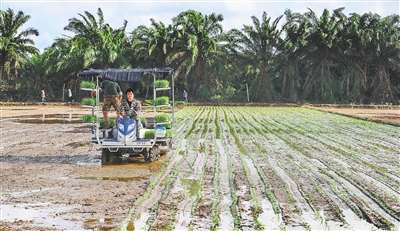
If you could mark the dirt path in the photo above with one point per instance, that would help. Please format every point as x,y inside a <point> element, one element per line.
<point>244,169</point>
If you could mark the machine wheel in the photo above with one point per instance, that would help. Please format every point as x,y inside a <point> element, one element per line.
<point>105,156</point>
<point>152,155</point>
<point>108,157</point>
<point>170,144</point>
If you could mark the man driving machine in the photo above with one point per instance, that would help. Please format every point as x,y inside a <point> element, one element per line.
<point>134,104</point>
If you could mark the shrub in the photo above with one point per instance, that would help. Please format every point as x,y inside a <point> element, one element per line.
<point>216,98</point>
<point>179,102</point>
<point>149,101</point>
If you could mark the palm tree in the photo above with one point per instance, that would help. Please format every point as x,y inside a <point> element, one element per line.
<point>291,58</point>
<point>197,39</point>
<point>322,34</point>
<point>102,46</point>
<point>371,51</point>
<point>384,52</point>
<point>14,42</point>
<point>35,70</point>
<point>258,45</point>
<point>153,44</point>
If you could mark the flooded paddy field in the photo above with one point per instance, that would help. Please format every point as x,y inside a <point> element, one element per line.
<point>231,168</point>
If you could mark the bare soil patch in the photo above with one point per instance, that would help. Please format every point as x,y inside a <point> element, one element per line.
<point>381,114</point>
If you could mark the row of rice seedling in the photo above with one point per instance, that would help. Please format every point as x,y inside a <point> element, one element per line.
<point>232,192</point>
<point>351,176</point>
<point>203,200</point>
<point>226,211</point>
<point>377,194</point>
<point>206,191</point>
<point>216,221</point>
<point>173,195</point>
<point>365,143</point>
<point>152,193</point>
<point>190,178</point>
<point>252,213</point>
<point>294,158</point>
<point>285,119</point>
<point>346,149</point>
<point>255,153</point>
<point>276,190</point>
<point>352,142</point>
<point>284,172</point>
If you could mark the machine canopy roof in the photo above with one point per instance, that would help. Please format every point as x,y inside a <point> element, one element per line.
<point>125,75</point>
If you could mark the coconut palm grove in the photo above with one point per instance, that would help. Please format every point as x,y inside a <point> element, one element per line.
<point>294,58</point>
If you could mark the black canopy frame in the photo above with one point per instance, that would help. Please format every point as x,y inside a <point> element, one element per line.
<point>122,75</point>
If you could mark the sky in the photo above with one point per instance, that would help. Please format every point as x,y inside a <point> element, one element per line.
<point>50,17</point>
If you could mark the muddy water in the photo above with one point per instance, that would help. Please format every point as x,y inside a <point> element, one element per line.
<point>44,214</point>
<point>54,214</point>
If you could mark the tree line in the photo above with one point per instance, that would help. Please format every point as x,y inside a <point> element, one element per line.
<point>295,58</point>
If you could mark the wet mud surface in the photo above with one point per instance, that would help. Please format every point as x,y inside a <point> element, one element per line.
<point>247,169</point>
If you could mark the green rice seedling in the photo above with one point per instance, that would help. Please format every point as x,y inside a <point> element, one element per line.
<point>154,182</point>
<point>89,101</point>
<point>89,119</point>
<point>162,118</point>
<point>143,120</point>
<point>111,123</point>
<point>149,134</point>
<point>163,100</point>
<point>88,84</point>
<point>161,83</point>
<point>259,225</point>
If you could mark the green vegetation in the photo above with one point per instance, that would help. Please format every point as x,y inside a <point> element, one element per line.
<point>88,84</point>
<point>150,134</point>
<point>143,121</point>
<point>163,100</point>
<point>89,101</point>
<point>296,57</point>
<point>111,123</point>
<point>162,118</point>
<point>161,83</point>
<point>89,119</point>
